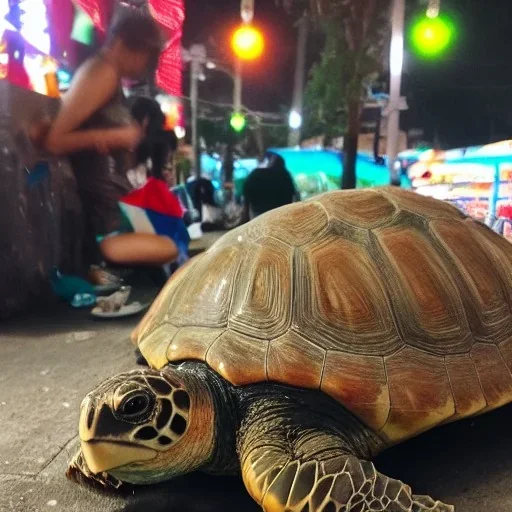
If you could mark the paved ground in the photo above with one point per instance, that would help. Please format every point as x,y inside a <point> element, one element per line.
<point>50,361</point>
<point>205,242</point>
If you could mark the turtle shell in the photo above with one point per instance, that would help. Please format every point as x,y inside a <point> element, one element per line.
<point>394,304</point>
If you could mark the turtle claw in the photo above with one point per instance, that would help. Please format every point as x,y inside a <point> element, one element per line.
<point>427,504</point>
<point>79,473</point>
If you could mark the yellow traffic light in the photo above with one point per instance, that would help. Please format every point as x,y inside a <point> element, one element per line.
<point>248,43</point>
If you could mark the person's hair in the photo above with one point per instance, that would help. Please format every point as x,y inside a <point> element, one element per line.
<point>139,32</point>
<point>162,145</point>
<point>147,109</point>
<point>158,142</point>
<point>276,161</point>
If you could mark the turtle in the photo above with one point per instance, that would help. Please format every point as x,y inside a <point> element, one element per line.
<point>306,342</point>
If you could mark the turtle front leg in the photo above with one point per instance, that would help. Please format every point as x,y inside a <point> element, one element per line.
<point>79,472</point>
<point>342,484</point>
<point>290,467</point>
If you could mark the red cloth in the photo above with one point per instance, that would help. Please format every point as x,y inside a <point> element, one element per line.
<point>155,195</point>
<point>170,14</point>
<point>61,15</point>
<point>98,10</point>
<point>17,75</point>
<point>505,210</point>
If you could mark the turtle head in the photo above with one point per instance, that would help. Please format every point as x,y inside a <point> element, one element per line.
<point>147,426</point>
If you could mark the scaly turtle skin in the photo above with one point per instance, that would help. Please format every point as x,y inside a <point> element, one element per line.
<point>304,343</point>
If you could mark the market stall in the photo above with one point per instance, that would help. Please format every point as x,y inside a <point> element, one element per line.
<point>476,179</point>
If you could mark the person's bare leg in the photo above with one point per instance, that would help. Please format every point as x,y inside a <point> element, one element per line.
<point>139,249</point>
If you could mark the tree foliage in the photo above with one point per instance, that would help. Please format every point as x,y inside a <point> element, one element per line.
<point>325,103</point>
<point>357,33</point>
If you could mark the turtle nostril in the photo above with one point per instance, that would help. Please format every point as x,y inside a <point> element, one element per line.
<point>90,415</point>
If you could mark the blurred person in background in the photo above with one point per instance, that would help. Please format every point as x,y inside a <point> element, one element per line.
<point>267,188</point>
<point>95,129</point>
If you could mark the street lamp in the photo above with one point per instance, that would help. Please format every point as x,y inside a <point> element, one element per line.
<point>248,43</point>
<point>295,120</point>
<point>431,36</point>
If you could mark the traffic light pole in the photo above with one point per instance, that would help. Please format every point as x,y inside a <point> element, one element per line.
<point>194,96</point>
<point>237,90</point>
<point>237,107</point>
<point>298,92</point>
<point>196,56</point>
<point>396,66</point>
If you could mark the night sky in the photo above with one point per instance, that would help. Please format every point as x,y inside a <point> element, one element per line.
<point>463,99</point>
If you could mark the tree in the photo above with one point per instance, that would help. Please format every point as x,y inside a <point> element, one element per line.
<point>325,105</point>
<point>358,30</point>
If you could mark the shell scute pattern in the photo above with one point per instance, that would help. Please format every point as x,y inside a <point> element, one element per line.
<point>366,211</point>
<point>482,289</point>
<point>211,290</point>
<point>340,300</point>
<point>425,299</point>
<point>262,305</point>
<point>355,294</point>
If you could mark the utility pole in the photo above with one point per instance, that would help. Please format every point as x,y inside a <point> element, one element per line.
<point>296,113</point>
<point>237,91</point>
<point>197,58</point>
<point>247,10</point>
<point>194,96</point>
<point>247,15</point>
<point>434,6</point>
<point>395,99</point>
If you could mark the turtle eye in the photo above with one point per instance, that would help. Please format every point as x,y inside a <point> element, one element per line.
<point>136,407</point>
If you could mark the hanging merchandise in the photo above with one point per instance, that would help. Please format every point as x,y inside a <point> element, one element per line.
<point>170,14</point>
<point>99,11</point>
<point>83,28</point>
<point>61,14</point>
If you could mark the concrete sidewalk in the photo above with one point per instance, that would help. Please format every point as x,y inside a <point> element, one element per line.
<point>204,243</point>
<point>50,361</point>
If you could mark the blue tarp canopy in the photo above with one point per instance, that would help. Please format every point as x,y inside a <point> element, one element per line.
<point>328,165</point>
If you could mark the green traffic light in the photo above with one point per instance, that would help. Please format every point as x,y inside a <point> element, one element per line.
<point>431,37</point>
<point>237,121</point>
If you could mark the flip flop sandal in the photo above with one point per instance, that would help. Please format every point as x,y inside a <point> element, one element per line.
<point>129,310</point>
<point>107,288</point>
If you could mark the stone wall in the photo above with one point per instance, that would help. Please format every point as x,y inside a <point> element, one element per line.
<point>40,212</point>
